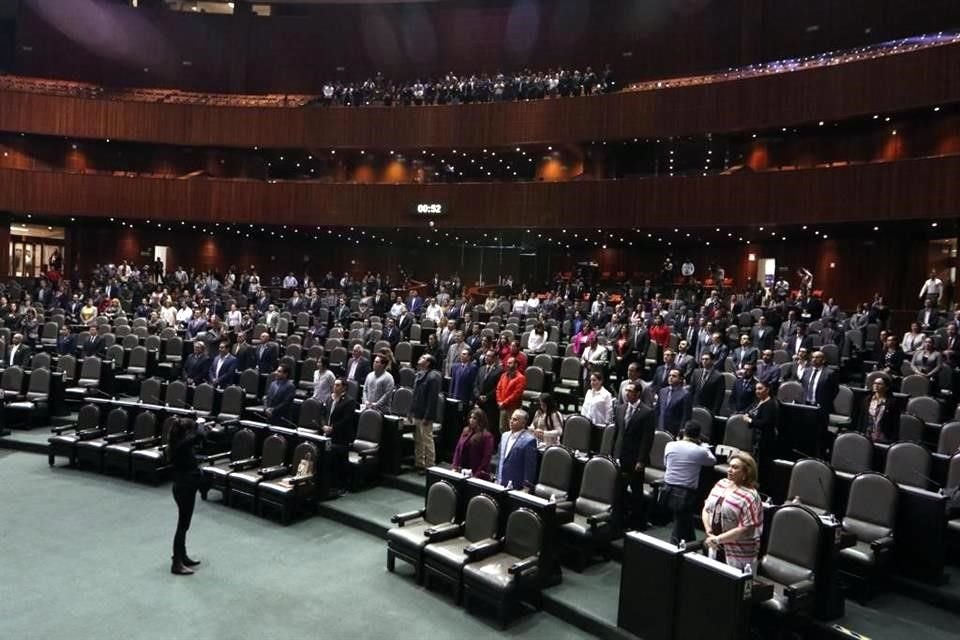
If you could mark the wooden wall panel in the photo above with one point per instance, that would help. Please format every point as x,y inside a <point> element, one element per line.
<point>889,84</point>
<point>902,190</point>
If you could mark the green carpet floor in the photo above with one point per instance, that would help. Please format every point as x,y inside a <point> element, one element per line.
<point>87,556</point>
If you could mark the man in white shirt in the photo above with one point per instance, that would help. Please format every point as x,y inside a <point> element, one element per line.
<point>932,289</point>
<point>684,459</point>
<point>323,380</point>
<point>184,314</point>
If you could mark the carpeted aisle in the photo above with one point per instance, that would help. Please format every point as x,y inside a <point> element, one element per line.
<point>87,556</point>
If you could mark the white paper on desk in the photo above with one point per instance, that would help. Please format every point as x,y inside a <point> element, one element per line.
<point>726,450</point>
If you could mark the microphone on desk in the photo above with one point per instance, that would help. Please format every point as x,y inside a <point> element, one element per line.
<point>291,423</point>
<point>102,394</point>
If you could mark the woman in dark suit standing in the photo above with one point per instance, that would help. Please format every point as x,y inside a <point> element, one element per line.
<point>763,416</point>
<point>880,415</point>
<point>187,480</point>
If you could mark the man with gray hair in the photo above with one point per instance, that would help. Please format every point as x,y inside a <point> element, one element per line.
<point>517,465</point>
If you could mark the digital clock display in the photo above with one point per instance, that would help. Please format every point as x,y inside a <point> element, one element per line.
<point>429,209</point>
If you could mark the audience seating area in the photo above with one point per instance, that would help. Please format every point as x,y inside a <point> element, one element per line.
<point>484,542</point>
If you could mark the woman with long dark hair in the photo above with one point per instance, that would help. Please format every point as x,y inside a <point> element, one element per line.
<point>475,447</point>
<point>187,480</point>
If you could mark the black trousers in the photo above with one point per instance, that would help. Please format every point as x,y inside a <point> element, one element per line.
<point>634,501</point>
<point>339,466</point>
<point>185,495</point>
<point>682,504</point>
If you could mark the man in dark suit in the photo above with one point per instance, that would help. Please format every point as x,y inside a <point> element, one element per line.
<point>820,385</point>
<point>463,375</point>
<point>278,402</point>
<point>459,311</point>
<point>745,354</point>
<point>94,344</point>
<point>341,313</point>
<point>196,369</point>
<point>196,325</point>
<point>762,335</point>
<point>66,342</point>
<point>673,404</point>
<point>358,366</point>
<point>684,360</point>
<point>707,385</point>
<point>18,354</point>
<point>223,369</point>
<point>929,316</point>
<point>245,354</point>
<point>404,322</point>
<point>768,371</point>
<point>744,389</point>
<point>267,354</point>
<point>485,387</point>
<point>799,340</point>
<point>517,464</point>
<point>340,425</point>
<point>635,423</point>
<point>718,349</point>
<point>391,334</point>
<point>789,327</point>
<point>414,304</point>
<point>661,373</point>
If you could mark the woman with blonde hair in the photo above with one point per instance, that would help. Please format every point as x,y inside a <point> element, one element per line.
<point>733,514</point>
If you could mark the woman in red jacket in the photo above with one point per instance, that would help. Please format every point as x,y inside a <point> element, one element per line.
<point>660,332</point>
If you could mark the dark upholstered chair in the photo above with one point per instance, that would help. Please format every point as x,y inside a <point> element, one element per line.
<point>791,559</point>
<point>35,403</point>
<point>595,519</point>
<point>608,440</point>
<point>446,552</point>
<point>118,454</point>
<point>88,379</point>
<point>407,540</point>
<point>151,460</point>
<point>506,573</point>
<point>536,383</point>
<point>556,474</point>
<point>909,464</point>
<point>203,397</point>
<point>231,404</point>
<point>948,442</point>
<point>91,451</point>
<point>364,455</point>
<point>242,481</point>
<point>811,484</point>
<point>64,443</point>
<point>739,435</point>
<point>176,395</point>
<point>703,417</point>
<point>653,472</point>
<point>576,433</point>
<point>11,383</point>
<point>289,493</point>
<point>852,454</point>
<point>870,517</point>
<point>790,391</point>
<point>953,524</point>
<point>150,390</point>
<point>217,467</point>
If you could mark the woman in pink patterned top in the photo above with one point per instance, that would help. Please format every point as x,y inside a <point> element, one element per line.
<point>733,514</point>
